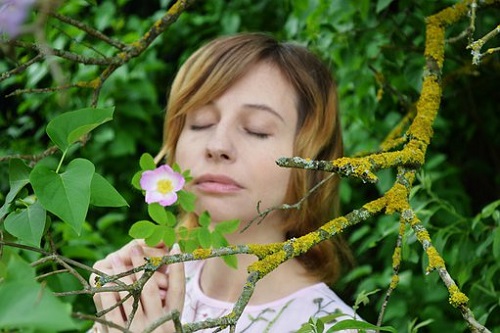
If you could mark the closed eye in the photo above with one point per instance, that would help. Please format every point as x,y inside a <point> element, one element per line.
<point>259,135</point>
<point>199,127</point>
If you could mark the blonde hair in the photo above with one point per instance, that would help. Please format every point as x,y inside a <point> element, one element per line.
<point>211,70</point>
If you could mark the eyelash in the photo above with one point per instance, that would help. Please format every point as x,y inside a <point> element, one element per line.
<point>255,134</point>
<point>198,128</point>
<point>258,135</point>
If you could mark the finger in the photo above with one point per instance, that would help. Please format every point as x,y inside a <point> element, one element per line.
<point>139,253</point>
<point>176,284</point>
<point>116,315</point>
<point>118,266</point>
<point>150,297</point>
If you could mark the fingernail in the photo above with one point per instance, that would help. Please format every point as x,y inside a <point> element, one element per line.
<point>175,249</point>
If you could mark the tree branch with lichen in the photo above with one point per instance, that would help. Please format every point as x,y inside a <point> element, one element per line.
<point>412,156</point>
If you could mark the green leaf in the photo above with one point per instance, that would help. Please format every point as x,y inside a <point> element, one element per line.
<point>218,241</point>
<point>18,178</point>
<point>27,224</point>
<point>188,245</point>
<point>169,237</point>
<point>320,326</point>
<point>155,238</point>
<point>19,292</point>
<point>158,213</point>
<point>382,4</point>
<point>147,162</point>
<point>204,219</point>
<point>186,200</point>
<point>205,238</point>
<point>67,195</point>
<point>103,194</point>
<point>171,219</point>
<point>68,127</point>
<point>136,180</point>
<point>227,227</point>
<point>231,261</point>
<point>142,229</point>
<point>360,325</point>
<point>496,244</point>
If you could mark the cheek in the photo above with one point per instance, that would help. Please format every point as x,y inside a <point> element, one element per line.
<point>181,153</point>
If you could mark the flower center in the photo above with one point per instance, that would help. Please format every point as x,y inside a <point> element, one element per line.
<point>164,186</point>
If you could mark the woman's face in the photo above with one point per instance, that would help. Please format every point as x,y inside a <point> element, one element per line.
<point>231,144</point>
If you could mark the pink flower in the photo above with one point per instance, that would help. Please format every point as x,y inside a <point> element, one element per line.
<point>161,185</point>
<point>12,15</point>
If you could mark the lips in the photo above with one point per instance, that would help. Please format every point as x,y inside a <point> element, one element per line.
<point>216,184</point>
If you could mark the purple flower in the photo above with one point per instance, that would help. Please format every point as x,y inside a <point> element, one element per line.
<point>161,185</point>
<point>12,15</point>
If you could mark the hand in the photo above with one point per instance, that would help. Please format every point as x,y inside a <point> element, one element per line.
<point>163,293</point>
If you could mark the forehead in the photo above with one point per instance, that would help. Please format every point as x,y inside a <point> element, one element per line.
<point>263,85</point>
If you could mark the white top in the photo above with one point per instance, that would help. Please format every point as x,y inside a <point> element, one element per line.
<point>283,315</point>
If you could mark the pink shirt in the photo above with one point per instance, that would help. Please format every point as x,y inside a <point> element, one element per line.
<point>283,315</point>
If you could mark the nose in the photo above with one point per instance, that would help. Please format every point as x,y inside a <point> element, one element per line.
<point>220,147</point>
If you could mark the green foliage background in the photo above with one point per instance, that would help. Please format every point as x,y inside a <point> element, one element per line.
<point>458,192</point>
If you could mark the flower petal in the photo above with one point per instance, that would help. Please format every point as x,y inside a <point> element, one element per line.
<point>168,199</point>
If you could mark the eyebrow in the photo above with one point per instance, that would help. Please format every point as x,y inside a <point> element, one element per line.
<point>264,107</point>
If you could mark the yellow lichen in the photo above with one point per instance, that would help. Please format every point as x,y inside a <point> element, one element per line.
<point>452,14</point>
<point>201,253</point>
<point>394,282</point>
<point>423,235</point>
<point>304,243</point>
<point>335,226</point>
<point>434,44</point>
<point>357,167</point>
<point>457,298</point>
<point>94,84</point>
<point>396,257</point>
<point>435,260</point>
<point>375,206</point>
<point>262,250</point>
<point>397,199</point>
<point>427,108</point>
<point>268,264</point>
<point>155,261</point>
<point>380,94</point>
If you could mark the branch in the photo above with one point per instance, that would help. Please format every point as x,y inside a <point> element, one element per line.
<point>477,45</point>
<point>91,31</point>
<point>21,68</point>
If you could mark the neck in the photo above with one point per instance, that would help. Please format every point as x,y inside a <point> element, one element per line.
<point>221,282</point>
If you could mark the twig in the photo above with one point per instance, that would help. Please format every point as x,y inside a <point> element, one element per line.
<point>104,322</point>
<point>262,215</point>
<point>470,29</point>
<point>90,30</point>
<point>21,68</point>
<point>477,45</point>
<point>396,264</point>
<point>33,158</point>
<point>41,90</point>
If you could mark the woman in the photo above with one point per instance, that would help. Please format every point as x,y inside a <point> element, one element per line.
<point>236,105</point>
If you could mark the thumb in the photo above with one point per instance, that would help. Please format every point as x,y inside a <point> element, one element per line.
<point>176,283</point>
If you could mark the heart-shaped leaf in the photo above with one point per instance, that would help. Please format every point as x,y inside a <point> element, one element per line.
<point>27,224</point>
<point>103,194</point>
<point>68,127</point>
<point>67,195</point>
